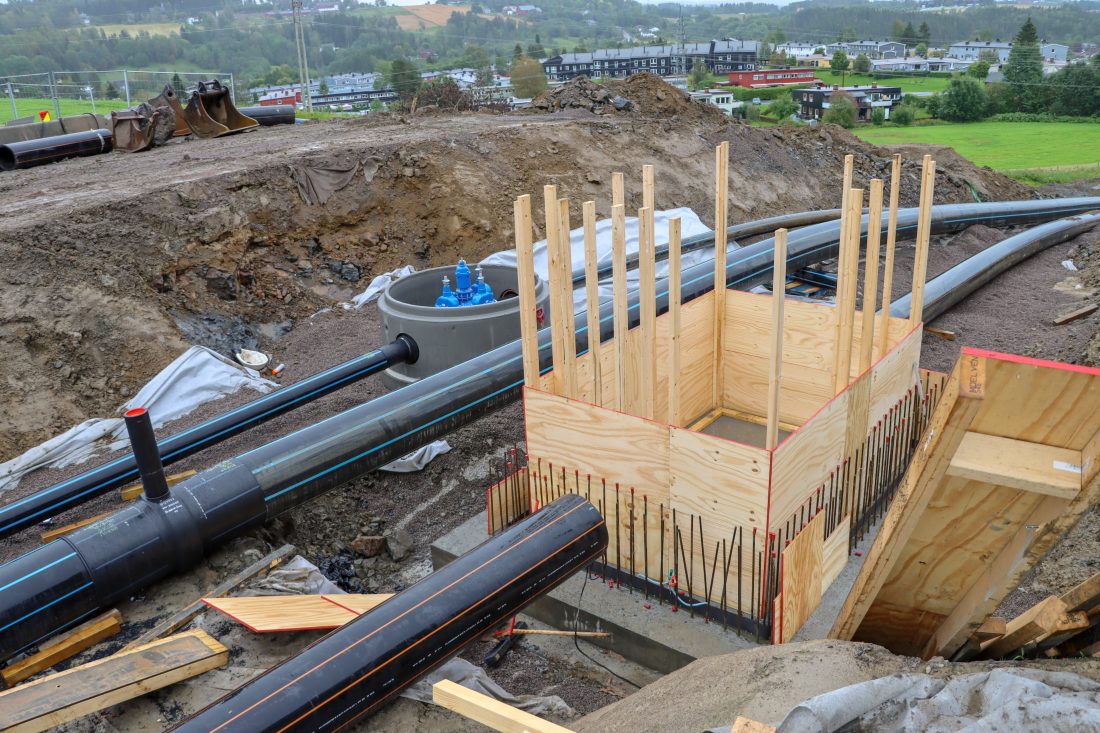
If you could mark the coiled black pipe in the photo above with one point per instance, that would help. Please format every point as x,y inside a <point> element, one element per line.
<point>945,291</point>
<point>83,487</point>
<point>59,584</point>
<point>30,153</point>
<point>356,668</point>
<point>268,115</point>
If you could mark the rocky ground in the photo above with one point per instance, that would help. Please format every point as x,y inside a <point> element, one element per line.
<point>111,266</point>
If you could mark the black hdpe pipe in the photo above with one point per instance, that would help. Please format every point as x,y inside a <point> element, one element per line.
<point>945,291</point>
<point>268,115</point>
<point>29,153</point>
<point>83,487</point>
<point>74,577</point>
<point>356,668</point>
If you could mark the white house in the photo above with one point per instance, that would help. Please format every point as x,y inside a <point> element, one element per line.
<point>799,49</point>
<point>720,98</point>
<point>972,50</point>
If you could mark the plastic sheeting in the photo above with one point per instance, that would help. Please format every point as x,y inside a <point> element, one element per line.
<point>419,458</point>
<point>197,376</point>
<point>474,678</point>
<point>690,226</point>
<point>316,184</point>
<point>1003,699</point>
<point>380,283</point>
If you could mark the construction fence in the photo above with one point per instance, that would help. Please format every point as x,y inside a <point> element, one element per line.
<point>65,93</point>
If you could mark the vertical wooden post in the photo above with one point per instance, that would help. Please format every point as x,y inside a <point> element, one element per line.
<point>850,274</point>
<point>888,266</point>
<point>618,274</point>
<point>592,299</point>
<point>674,321</point>
<point>924,230</point>
<point>721,209</point>
<point>648,187</point>
<point>528,325</point>
<point>779,293</point>
<point>618,190</point>
<point>647,314</point>
<point>568,312</point>
<point>849,167</point>
<point>553,221</point>
<point>842,283</point>
<point>870,276</point>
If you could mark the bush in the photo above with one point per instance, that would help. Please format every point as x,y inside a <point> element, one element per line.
<point>902,115</point>
<point>878,116</point>
<point>964,101</point>
<point>782,108</point>
<point>842,110</point>
<point>1040,117</point>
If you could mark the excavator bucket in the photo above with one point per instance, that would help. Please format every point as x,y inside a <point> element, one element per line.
<point>211,113</point>
<point>169,99</point>
<point>132,131</point>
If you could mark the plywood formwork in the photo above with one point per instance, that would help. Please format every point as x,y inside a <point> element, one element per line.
<point>969,519</point>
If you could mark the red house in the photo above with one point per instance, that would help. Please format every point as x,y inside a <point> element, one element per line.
<point>760,78</point>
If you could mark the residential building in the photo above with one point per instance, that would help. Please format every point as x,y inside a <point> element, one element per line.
<point>721,57</point>
<point>1054,52</point>
<point>521,9</point>
<point>870,49</point>
<point>815,61</point>
<point>812,103</point>
<point>759,78</point>
<point>918,64</point>
<point>720,98</point>
<point>972,50</point>
<point>803,48</point>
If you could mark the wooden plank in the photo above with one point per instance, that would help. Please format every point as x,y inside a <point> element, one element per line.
<point>1084,596</point>
<point>618,190</point>
<point>802,577</point>
<point>894,374</point>
<point>1040,619</point>
<point>1018,464</point>
<point>843,283</point>
<point>848,306</point>
<point>723,481</point>
<point>528,304</point>
<point>888,266</point>
<point>870,276</point>
<point>1074,315</point>
<point>619,447</point>
<point>133,491</point>
<point>63,646</point>
<point>942,333</point>
<point>673,413</point>
<point>566,317</point>
<point>555,632</point>
<point>53,534</point>
<point>747,725</point>
<point>992,628</point>
<point>557,307</point>
<point>181,618</point>
<point>618,266</point>
<point>60,698</point>
<point>924,231</point>
<point>267,614</point>
<point>949,423</point>
<point>488,711</point>
<point>592,300</point>
<point>834,556</point>
<point>647,314</point>
<point>775,373</point>
<point>721,210</point>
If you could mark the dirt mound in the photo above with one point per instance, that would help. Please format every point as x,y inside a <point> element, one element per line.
<point>639,94</point>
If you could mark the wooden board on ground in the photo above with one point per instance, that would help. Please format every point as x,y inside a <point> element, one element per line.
<point>53,534</point>
<point>953,546</point>
<point>268,614</point>
<point>59,698</point>
<point>133,491</point>
<point>489,711</point>
<point>63,646</point>
<point>801,575</point>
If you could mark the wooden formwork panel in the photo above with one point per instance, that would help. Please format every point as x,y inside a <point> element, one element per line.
<point>598,441</point>
<point>724,481</point>
<point>835,553</point>
<point>801,578</point>
<point>894,374</point>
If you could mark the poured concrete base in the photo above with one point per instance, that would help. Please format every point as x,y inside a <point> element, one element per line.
<point>654,637</point>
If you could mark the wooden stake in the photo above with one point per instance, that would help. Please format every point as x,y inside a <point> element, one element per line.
<point>557,349</point>
<point>779,294</point>
<point>647,313</point>
<point>568,312</point>
<point>64,646</point>
<point>674,321</point>
<point>648,187</point>
<point>847,307</point>
<point>528,303</point>
<point>721,209</point>
<point>888,267</point>
<point>618,190</point>
<point>618,274</point>
<point>842,284</point>
<point>924,230</point>
<point>556,632</point>
<point>870,276</point>
<point>489,711</point>
<point>592,299</point>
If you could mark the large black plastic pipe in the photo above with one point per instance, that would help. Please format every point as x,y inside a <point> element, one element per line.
<point>356,668</point>
<point>268,115</point>
<point>83,487</point>
<point>30,153</point>
<point>143,442</point>
<point>59,584</point>
<point>945,291</point>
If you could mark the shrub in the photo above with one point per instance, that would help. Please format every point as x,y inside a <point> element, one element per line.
<point>878,116</point>
<point>902,115</point>
<point>842,110</point>
<point>964,101</point>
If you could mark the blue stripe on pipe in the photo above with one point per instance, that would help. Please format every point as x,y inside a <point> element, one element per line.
<point>42,608</point>
<point>33,573</point>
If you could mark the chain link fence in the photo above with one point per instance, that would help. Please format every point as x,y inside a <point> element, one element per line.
<point>65,93</point>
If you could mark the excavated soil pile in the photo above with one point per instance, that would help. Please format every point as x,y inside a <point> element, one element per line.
<point>110,266</point>
<point>640,94</point>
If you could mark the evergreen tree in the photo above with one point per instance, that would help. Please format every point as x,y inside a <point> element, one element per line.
<point>177,85</point>
<point>517,52</point>
<point>862,64</point>
<point>112,91</point>
<point>1024,70</point>
<point>909,36</point>
<point>924,33</point>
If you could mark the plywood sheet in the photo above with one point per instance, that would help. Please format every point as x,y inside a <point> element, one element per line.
<point>624,449</point>
<point>725,482</point>
<point>894,374</point>
<point>802,577</point>
<point>802,390</point>
<point>835,553</point>
<point>266,614</point>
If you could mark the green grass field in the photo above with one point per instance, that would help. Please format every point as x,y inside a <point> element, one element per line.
<point>30,107</point>
<point>907,84</point>
<point>1031,151</point>
<point>153,29</point>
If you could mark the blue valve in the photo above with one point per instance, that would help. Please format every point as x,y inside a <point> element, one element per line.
<point>448,299</point>
<point>468,289</point>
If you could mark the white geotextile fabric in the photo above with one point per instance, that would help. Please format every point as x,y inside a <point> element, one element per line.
<point>380,283</point>
<point>419,458</point>
<point>473,677</point>
<point>1003,699</point>
<point>690,226</point>
<point>197,376</point>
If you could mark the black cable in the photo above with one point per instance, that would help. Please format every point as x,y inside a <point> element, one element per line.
<point>576,621</point>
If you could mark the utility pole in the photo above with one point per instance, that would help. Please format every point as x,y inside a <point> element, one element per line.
<point>303,65</point>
